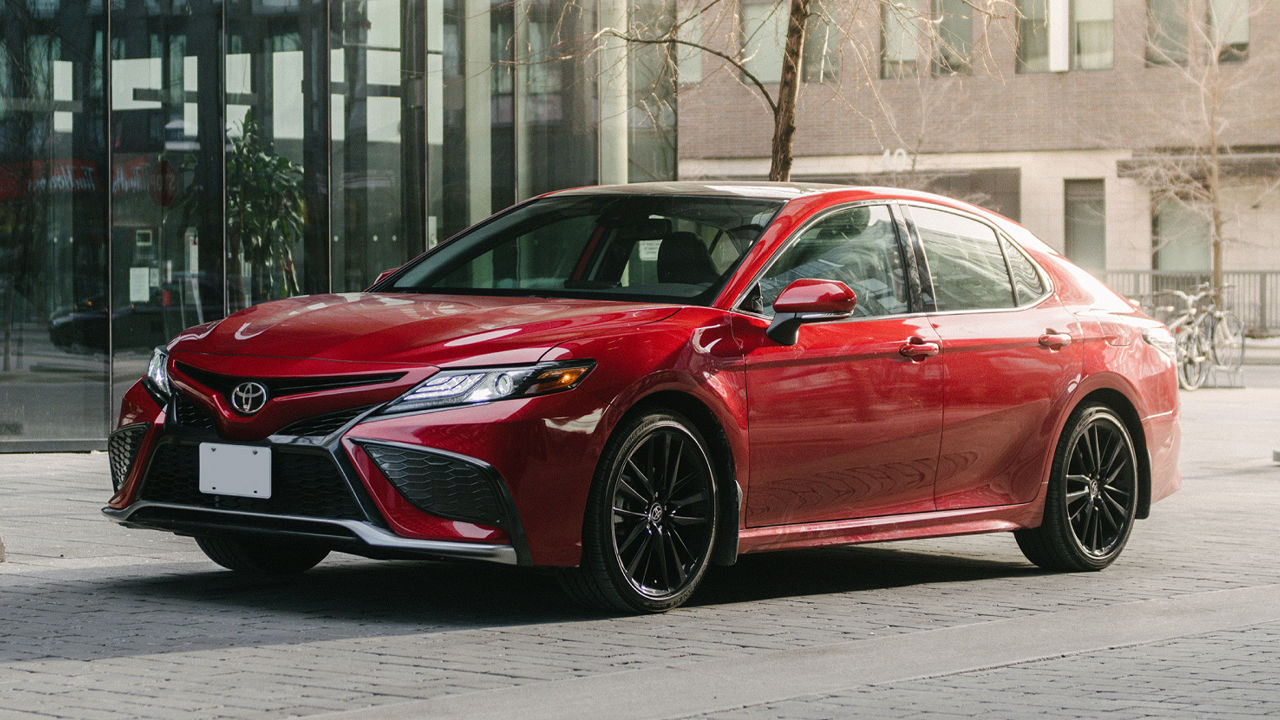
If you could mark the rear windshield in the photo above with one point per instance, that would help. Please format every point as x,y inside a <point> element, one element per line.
<point>667,249</point>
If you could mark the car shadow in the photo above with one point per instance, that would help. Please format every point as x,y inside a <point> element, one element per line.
<point>796,573</point>
<point>173,607</point>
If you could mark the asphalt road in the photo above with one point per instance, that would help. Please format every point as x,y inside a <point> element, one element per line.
<point>101,622</point>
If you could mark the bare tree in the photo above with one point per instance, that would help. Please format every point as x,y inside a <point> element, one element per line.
<point>1197,168</point>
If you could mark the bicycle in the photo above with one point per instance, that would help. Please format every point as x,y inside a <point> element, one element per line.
<point>1205,335</point>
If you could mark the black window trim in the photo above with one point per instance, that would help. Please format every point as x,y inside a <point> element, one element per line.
<point>1002,238</point>
<point>906,251</point>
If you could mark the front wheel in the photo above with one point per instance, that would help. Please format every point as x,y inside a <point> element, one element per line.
<point>1093,495</point>
<point>650,518</point>
<point>261,557</point>
<point>1192,355</point>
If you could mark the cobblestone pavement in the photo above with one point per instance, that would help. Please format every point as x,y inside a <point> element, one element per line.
<point>100,621</point>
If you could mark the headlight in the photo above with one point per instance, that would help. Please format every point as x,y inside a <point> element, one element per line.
<point>157,378</point>
<point>450,388</point>
<point>1162,340</point>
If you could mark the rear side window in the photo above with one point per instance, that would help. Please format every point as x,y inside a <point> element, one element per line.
<point>1027,282</point>
<point>965,262</point>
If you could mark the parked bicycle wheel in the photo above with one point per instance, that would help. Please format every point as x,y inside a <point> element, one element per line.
<point>1227,341</point>
<point>1192,355</point>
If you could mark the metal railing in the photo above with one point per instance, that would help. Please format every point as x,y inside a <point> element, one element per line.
<point>1254,295</point>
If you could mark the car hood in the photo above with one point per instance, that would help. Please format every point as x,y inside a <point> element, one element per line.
<point>403,329</point>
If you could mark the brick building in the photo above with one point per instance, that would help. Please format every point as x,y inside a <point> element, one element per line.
<point>1051,114</point>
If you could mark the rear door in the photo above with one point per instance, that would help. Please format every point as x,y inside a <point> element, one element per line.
<point>1010,353</point>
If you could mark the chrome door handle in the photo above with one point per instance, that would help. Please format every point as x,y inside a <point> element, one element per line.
<point>1055,340</point>
<point>917,349</point>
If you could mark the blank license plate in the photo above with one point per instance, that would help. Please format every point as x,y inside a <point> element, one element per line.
<point>240,470</point>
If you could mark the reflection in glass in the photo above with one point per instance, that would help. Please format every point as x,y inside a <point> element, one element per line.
<point>53,246</point>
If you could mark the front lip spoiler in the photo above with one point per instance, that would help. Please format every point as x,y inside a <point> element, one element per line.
<point>189,519</point>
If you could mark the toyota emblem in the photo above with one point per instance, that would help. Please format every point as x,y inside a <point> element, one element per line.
<point>248,397</point>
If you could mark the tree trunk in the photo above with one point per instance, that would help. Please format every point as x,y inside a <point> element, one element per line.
<point>784,118</point>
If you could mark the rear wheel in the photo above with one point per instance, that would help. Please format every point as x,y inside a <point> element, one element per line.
<point>1228,341</point>
<point>650,519</point>
<point>261,557</point>
<point>1093,495</point>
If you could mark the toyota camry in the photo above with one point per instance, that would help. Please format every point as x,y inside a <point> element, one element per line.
<point>632,383</point>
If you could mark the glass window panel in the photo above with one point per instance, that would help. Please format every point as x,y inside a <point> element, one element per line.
<point>1230,22</point>
<point>1181,238</point>
<point>966,264</point>
<point>858,247</point>
<point>1092,32</point>
<point>1028,284</point>
<point>1033,36</point>
<point>954,19</point>
<point>1086,224</point>
<point>1167,31</point>
<point>689,59</point>
<point>900,30</point>
<point>764,35</point>
<point>821,60</point>
<point>54,191</point>
<point>378,153</point>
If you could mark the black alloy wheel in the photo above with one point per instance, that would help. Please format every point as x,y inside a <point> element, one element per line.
<point>1093,495</point>
<point>651,518</point>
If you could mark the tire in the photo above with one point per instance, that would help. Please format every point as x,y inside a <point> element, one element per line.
<point>1228,342</point>
<point>1092,498</point>
<point>1192,356</point>
<point>260,556</point>
<point>650,521</point>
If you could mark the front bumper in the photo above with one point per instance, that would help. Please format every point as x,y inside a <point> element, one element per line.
<point>352,536</point>
<point>318,493</point>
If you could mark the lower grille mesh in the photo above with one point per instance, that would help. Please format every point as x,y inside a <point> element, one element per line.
<point>122,450</point>
<point>442,485</point>
<point>305,484</point>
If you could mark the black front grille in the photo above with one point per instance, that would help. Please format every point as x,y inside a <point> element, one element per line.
<point>277,387</point>
<point>322,425</point>
<point>442,485</point>
<point>308,484</point>
<point>122,450</point>
<point>186,413</point>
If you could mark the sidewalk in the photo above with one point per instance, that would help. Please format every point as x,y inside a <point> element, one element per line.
<point>105,622</point>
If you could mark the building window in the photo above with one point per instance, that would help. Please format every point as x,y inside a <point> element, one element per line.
<point>1180,238</point>
<point>764,38</point>
<point>1048,28</point>
<point>1086,224</point>
<point>1229,24</point>
<point>821,60</point>
<point>1033,36</point>
<point>1167,28</point>
<point>900,41</point>
<point>1091,31</point>
<point>954,21</point>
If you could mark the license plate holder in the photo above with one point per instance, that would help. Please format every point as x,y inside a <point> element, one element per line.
<point>238,470</point>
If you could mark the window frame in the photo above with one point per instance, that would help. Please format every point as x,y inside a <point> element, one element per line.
<point>906,252</point>
<point>1002,239</point>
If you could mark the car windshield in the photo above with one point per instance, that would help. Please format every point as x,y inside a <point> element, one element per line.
<point>656,248</point>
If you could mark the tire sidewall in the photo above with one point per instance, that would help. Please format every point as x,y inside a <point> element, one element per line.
<point>600,553</point>
<point>1057,512</point>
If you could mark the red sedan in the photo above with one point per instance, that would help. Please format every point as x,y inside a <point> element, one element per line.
<point>632,383</point>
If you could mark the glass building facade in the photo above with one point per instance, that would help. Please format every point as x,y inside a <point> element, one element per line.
<point>167,162</point>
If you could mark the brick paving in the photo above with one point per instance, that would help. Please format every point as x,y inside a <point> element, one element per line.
<point>99,621</point>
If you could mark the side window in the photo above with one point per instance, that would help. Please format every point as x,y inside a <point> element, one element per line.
<point>1027,282</point>
<point>857,246</point>
<point>965,262</point>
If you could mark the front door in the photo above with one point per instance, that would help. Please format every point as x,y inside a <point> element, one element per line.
<point>843,424</point>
